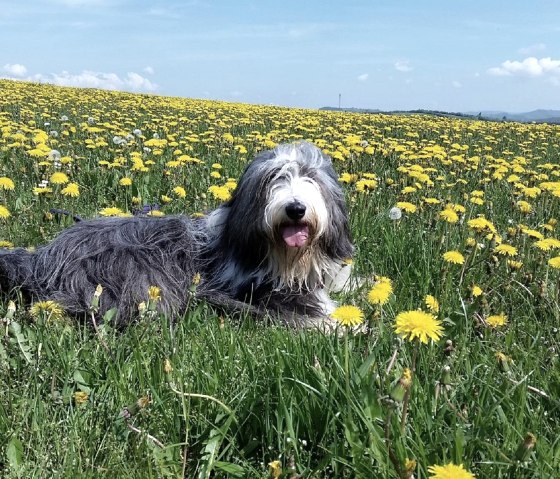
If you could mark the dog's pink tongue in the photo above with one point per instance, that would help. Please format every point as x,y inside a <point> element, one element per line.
<point>295,236</point>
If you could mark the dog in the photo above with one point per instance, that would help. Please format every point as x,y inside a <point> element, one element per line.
<point>277,247</point>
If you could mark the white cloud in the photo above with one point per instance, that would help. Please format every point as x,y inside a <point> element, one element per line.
<point>531,67</point>
<point>403,66</point>
<point>15,69</point>
<point>532,49</point>
<point>149,70</point>
<point>456,84</point>
<point>363,77</point>
<point>133,82</point>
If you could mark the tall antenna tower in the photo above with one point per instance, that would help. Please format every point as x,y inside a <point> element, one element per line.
<point>339,98</point>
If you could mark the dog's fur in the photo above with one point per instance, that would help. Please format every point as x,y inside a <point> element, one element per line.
<point>274,247</point>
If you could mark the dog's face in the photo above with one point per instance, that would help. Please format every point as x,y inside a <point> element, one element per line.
<point>290,197</point>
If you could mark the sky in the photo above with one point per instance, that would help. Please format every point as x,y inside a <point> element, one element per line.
<point>458,55</point>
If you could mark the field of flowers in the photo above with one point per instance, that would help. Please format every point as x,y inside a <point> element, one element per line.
<point>456,228</point>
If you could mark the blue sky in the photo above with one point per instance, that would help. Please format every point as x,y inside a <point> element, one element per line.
<point>448,55</point>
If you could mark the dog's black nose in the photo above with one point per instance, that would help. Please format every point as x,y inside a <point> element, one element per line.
<point>295,210</point>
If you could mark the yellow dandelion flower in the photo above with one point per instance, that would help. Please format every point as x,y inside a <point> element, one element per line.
<point>454,257</point>
<point>156,213</point>
<point>381,291</point>
<point>180,191</point>
<point>524,207</point>
<point>216,166</point>
<point>347,178</point>
<point>449,215</point>
<point>154,293</point>
<point>554,262</point>
<point>49,309</point>
<point>6,183</point>
<point>275,469</point>
<point>432,303</point>
<point>418,324</point>
<point>166,199</point>
<point>80,397</point>
<point>432,201</point>
<point>496,320</point>
<point>348,315</point>
<point>72,190</point>
<point>6,244</point>
<point>505,250</point>
<point>215,174</point>
<point>476,291</point>
<point>547,244</point>
<point>125,181</point>
<point>514,264</point>
<point>406,206</point>
<point>481,224</point>
<point>220,192</point>
<point>4,212</point>
<point>111,211</point>
<point>364,185</point>
<point>59,178</point>
<point>450,471</point>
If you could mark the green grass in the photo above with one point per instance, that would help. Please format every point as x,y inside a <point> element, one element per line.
<point>242,394</point>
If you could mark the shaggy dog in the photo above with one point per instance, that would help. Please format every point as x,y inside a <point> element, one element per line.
<point>276,247</point>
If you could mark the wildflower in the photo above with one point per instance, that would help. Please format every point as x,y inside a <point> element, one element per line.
<point>6,183</point>
<point>166,199</point>
<point>167,368</point>
<point>409,468</point>
<point>418,324</point>
<point>364,185</point>
<point>524,207</point>
<point>496,320</point>
<point>454,257</point>
<point>432,303</point>
<point>72,189</point>
<point>215,174</point>
<point>395,213</point>
<point>6,244</point>
<point>4,212</point>
<point>220,192</point>
<point>112,211</point>
<point>514,264</point>
<point>402,385</point>
<point>275,469</point>
<point>481,224</point>
<point>554,262</point>
<point>180,191</point>
<point>476,291</point>
<point>381,291</point>
<point>49,309</point>
<point>348,315</point>
<point>154,293</point>
<point>80,397</point>
<point>547,244</point>
<point>449,215</point>
<point>525,448</point>
<point>406,206</point>
<point>59,178</point>
<point>505,250</point>
<point>450,471</point>
<point>125,181</point>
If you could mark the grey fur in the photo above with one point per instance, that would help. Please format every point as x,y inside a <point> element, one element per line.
<point>230,248</point>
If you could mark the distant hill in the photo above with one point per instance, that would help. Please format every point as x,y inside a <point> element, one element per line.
<point>538,116</point>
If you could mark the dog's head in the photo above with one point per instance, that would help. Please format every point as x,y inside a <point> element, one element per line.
<point>290,198</point>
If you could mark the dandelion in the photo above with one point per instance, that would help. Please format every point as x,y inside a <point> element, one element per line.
<point>407,207</point>
<point>275,469</point>
<point>125,181</point>
<point>418,324</point>
<point>514,264</point>
<point>220,192</point>
<point>49,309</point>
<point>547,244</point>
<point>381,291</point>
<point>364,185</point>
<point>59,178</point>
<point>4,212</point>
<point>72,190</point>
<point>215,174</point>
<point>496,320</point>
<point>111,211</point>
<point>449,215</point>
<point>154,293</point>
<point>6,183</point>
<point>554,262</point>
<point>432,304</point>
<point>505,250</point>
<point>348,315</point>
<point>454,257</point>
<point>399,390</point>
<point>450,471</point>
<point>524,207</point>
<point>395,213</point>
<point>6,244</point>
<point>476,291</point>
<point>80,397</point>
<point>180,191</point>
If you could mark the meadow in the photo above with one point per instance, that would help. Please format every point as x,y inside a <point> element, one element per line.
<point>454,221</point>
